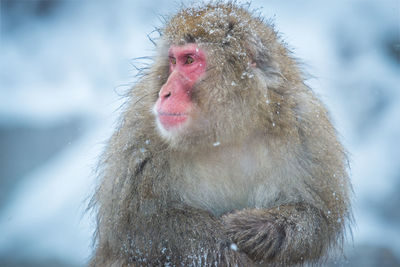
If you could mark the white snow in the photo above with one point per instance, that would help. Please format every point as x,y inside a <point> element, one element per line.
<point>234,247</point>
<point>216,143</point>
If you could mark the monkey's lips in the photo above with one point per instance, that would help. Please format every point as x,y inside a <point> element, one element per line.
<point>171,120</point>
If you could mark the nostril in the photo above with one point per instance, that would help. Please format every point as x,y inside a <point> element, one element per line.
<point>167,95</point>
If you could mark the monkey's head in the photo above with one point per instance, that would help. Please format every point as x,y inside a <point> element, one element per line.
<point>216,66</point>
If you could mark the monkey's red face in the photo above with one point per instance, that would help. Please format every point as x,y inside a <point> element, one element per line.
<point>187,64</point>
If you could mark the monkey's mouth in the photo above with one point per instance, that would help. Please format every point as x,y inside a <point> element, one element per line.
<point>171,120</point>
<point>171,114</point>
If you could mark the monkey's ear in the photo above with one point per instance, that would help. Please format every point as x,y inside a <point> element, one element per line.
<point>259,56</point>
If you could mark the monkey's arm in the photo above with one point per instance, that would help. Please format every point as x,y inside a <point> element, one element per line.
<point>286,234</point>
<point>182,235</point>
<point>174,236</point>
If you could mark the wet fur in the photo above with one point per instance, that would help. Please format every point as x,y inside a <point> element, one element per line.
<point>260,166</point>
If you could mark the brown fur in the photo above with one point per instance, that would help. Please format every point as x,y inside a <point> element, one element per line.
<point>260,165</point>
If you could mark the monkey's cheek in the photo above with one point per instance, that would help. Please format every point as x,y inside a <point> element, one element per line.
<point>172,121</point>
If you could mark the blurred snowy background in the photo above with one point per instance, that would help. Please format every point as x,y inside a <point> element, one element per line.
<point>65,64</point>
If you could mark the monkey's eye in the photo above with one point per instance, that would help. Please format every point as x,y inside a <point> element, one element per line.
<point>172,60</point>
<point>189,60</point>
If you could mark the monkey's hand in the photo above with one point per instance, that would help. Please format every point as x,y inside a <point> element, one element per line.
<point>287,234</point>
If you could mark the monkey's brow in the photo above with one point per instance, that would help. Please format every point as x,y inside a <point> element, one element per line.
<point>184,55</point>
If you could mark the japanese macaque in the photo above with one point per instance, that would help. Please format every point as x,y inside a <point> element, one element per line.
<point>223,156</point>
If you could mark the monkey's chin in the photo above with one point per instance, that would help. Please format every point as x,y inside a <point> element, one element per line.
<point>171,128</point>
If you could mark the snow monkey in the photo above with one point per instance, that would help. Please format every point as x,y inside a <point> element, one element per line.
<point>223,156</point>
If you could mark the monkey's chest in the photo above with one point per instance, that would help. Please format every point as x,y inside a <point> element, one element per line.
<point>223,184</point>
